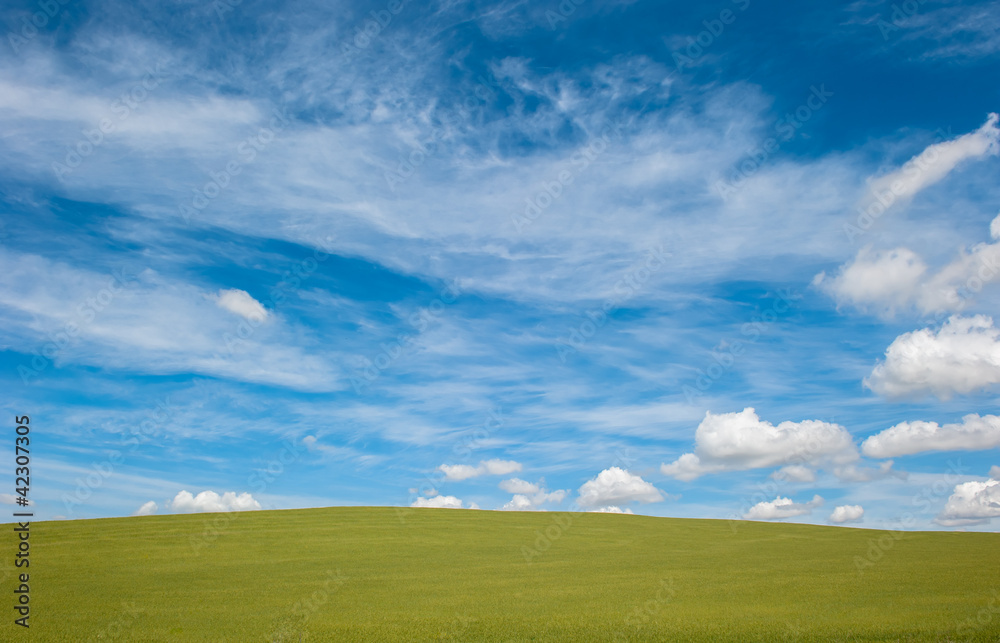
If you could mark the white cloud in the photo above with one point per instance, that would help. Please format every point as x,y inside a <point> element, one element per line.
<point>612,510</point>
<point>739,441</point>
<point>971,503</point>
<point>493,467</point>
<point>440,502</point>
<point>780,508</point>
<point>521,502</point>
<point>847,513</point>
<point>995,472</point>
<point>7,499</point>
<point>616,486</point>
<point>209,501</point>
<point>147,509</point>
<point>975,433</point>
<point>936,161</point>
<point>529,496</point>
<point>241,303</point>
<point>460,471</point>
<point>886,281</point>
<point>518,503</point>
<point>516,485</point>
<point>961,357</point>
<point>500,467</point>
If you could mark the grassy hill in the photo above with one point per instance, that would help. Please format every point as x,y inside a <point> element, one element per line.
<point>375,574</point>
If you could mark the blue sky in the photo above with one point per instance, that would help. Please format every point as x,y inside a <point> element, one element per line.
<point>730,260</point>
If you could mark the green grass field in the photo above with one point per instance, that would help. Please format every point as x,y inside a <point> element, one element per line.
<point>362,574</point>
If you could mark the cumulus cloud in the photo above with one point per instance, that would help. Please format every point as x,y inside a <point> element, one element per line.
<point>612,510</point>
<point>938,160</point>
<point>529,496</point>
<point>147,509</point>
<point>493,467</point>
<point>516,485</point>
<point>886,281</point>
<point>443,502</point>
<point>847,513</point>
<point>616,486</point>
<point>780,508</point>
<point>971,503</point>
<point>995,472</point>
<point>739,441</point>
<point>961,357</point>
<point>881,280</point>
<point>209,501</point>
<point>518,503</point>
<point>241,303</point>
<point>975,433</point>
<point>500,467</point>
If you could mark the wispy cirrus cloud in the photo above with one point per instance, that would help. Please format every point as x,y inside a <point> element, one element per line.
<point>168,327</point>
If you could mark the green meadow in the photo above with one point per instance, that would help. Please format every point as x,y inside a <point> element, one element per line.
<point>382,574</point>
